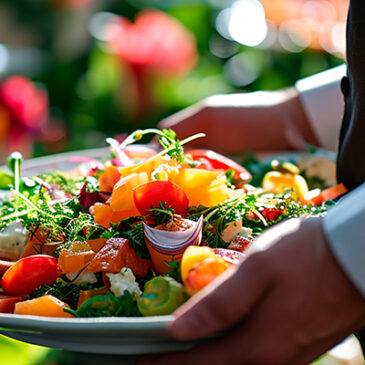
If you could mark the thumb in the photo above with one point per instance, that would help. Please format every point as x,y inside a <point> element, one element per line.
<point>224,302</point>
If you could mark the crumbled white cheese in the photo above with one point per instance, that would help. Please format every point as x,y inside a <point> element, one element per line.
<point>232,230</point>
<point>86,277</point>
<point>125,280</point>
<point>236,229</point>
<point>13,240</point>
<point>245,232</point>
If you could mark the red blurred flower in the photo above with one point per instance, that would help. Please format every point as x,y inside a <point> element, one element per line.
<point>154,45</point>
<point>23,112</point>
<point>155,41</point>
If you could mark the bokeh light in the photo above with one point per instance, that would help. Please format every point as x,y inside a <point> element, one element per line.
<point>244,22</point>
<point>290,25</point>
<point>315,24</point>
<point>4,57</point>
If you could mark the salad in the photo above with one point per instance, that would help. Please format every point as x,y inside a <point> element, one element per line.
<point>138,233</point>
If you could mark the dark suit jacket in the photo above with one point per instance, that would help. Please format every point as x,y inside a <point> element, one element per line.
<point>351,156</point>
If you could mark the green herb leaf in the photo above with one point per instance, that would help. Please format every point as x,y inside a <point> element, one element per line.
<point>162,215</point>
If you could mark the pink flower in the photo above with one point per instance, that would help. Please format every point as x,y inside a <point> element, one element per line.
<point>155,41</point>
<point>154,45</point>
<point>23,113</point>
<point>27,104</point>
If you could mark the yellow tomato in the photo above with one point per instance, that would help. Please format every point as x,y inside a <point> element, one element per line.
<point>276,182</point>
<point>192,256</point>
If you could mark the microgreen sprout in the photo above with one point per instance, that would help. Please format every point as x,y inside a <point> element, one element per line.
<point>168,140</point>
<point>14,162</point>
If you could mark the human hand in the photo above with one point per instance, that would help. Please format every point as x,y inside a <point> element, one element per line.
<point>286,304</point>
<point>235,123</point>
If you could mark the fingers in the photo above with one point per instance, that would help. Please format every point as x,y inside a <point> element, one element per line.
<point>226,301</point>
<point>231,296</point>
<point>259,340</point>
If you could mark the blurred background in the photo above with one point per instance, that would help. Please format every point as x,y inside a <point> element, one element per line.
<point>73,72</point>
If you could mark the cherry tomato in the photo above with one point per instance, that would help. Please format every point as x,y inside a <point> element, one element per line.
<point>271,214</point>
<point>29,273</point>
<point>150,195</point>
<point>211,160</point>
<point>7,303</point>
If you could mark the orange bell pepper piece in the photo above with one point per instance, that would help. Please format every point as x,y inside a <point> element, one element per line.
<point>122,196</point>
<point>74,261</point>
<point>109,178</point>
<point>104,215</point>
<point>46,306</point>
<point>75,258</point>
<point>97,243</point>
<point>328,194</point>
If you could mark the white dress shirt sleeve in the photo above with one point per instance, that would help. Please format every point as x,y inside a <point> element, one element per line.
<point>324,104</point>
<point>344,227</point>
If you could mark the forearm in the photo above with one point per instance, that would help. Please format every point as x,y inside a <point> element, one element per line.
<point>262,121</point>
<point>234,123</point>
<point>272,120</point>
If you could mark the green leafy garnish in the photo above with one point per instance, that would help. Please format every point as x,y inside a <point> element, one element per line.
<point>108,306</point>
<point>66,290</point>
<point>175,271</point>
<point>162,215</point>
<point>132,229</point>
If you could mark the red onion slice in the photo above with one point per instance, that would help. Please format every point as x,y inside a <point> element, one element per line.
<point>174,240</point>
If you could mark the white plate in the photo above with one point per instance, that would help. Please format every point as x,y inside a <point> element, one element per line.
<point>96,335</point>
<point>112,335</point>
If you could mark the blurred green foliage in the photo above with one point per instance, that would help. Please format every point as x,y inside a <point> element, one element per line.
<point>19,353</point>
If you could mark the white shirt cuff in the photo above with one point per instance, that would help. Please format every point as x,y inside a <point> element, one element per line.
<point>344,227</point>
<point>324,104</point>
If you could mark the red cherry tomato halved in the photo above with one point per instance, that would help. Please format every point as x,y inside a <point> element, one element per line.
<point>149,195</point>
<point>214,161</point>
<point>29,273</point>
